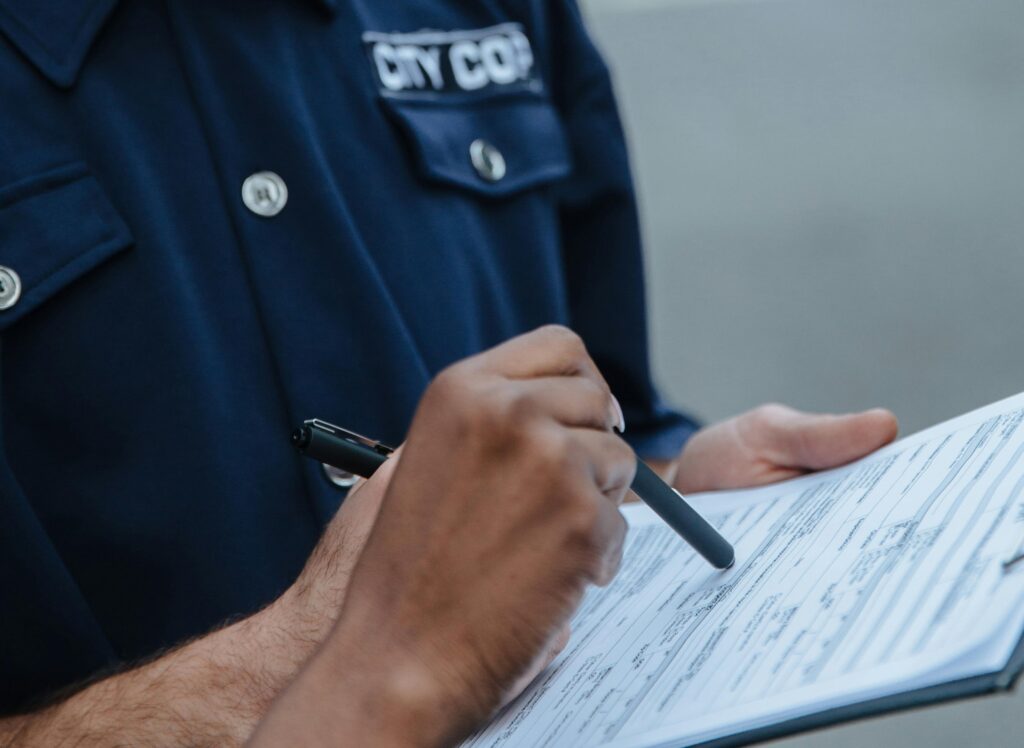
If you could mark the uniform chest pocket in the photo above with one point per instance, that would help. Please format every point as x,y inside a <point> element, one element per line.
<point>54,228</point>
<point>493,147</point>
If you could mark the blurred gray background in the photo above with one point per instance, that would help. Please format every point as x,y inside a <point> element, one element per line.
<point>833,199</point>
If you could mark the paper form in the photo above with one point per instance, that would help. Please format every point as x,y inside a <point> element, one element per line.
<point>872,579</point>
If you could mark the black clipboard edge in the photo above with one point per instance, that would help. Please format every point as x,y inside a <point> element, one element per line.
<point>965,688</point>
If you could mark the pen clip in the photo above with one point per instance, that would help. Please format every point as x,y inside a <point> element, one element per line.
<point>351,436</point>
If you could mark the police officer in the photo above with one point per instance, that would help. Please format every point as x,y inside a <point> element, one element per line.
<point>217,221</point>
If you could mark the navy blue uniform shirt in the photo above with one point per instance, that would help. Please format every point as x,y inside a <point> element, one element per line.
<point>455,175</point>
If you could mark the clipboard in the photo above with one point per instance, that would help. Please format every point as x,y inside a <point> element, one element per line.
<point>1002,681</point>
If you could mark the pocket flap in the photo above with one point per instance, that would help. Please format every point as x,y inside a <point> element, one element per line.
<point>54,227</point>
<point>522,131</point>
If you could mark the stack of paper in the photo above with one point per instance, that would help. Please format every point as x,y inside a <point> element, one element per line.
<point>880,578</point>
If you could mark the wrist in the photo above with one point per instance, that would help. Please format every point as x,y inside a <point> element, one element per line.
<point>392,696</point>
<point>368,697</point>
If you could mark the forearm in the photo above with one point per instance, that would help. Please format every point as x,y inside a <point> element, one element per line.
<point>356,691</point>
<point>209,692</point>
<point>213,691</point>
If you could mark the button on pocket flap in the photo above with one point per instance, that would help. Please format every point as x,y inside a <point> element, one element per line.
<point>494,146</point>
<point>54,227</point>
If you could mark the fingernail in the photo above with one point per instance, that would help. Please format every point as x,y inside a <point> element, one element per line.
<point>620,419</point>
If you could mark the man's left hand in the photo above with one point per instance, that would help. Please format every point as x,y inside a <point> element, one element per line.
<point>773,443</point>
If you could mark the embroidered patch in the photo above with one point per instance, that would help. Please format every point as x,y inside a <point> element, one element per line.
<point>431,62</point>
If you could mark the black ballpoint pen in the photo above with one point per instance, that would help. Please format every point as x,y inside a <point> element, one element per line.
<point>348,451</point>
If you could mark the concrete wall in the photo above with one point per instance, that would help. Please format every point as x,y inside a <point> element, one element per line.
<point>833,196</point>
<point>833,199</point>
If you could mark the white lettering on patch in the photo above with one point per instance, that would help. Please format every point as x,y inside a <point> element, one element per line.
<point>446,61</point>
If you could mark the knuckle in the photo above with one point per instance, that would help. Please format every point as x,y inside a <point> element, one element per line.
<point>594,401</point>
<point>480,405</point>
<point>552,449</point>
<point>599,393</point>
<point>450,379</point>
<point>491,410</point>
<point>446,388</point>
<point>566,339</point>
<point>767,414</point>
<point>624,456</point>
<point>556,332</point>
<point>622,451</point>
<point>583,527</point>
<point>517,406</point>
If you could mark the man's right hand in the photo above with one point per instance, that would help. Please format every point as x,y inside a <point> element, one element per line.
<point>504,506</point>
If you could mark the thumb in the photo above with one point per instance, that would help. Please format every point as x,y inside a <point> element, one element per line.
<point>811,441</point>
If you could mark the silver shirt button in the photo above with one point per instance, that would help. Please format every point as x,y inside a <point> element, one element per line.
<point>339,477</point>
<point>10,288</point>
<point>265,193</point>
<point>487,160</point>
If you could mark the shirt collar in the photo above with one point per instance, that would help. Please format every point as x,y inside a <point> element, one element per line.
<point>56,35</point>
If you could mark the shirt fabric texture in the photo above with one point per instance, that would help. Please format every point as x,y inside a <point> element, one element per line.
<point>167,338</point>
